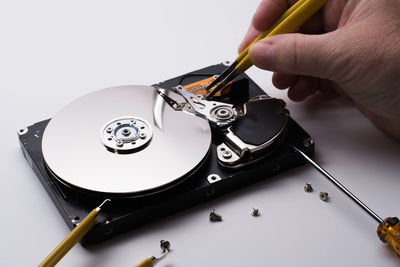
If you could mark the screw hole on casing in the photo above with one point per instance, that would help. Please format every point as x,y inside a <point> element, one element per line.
<point>210,193</point>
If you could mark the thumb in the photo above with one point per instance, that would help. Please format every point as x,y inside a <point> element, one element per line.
<point>296,54</point>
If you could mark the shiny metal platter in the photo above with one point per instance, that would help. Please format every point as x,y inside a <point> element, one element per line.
<point>124,140</point>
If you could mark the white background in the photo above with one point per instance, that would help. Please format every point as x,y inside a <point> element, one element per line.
<point>52,52</point>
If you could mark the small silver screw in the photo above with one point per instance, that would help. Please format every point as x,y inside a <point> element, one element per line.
<point>255,212</point>
<point>126,132</point>
<point>23,131</point>
<point>227,154</point>
<point>165,245</point>
<point>142,135</point>
<point>120,143</point>
<point>323,196</point>
<point>75,220</point>
<point>308,188</point>
<point>214,217</point>
<point>109,130</point>
<point>308,142</point>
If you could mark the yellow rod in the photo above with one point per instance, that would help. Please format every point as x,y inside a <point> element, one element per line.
<point>265,33</point>
<point>72,238</point>
<point>287,25</point>
<point>145,263</point>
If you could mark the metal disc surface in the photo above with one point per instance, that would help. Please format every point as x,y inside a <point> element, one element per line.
<point>123,140</point>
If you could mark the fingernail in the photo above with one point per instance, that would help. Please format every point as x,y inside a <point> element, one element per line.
<point>261,55</point>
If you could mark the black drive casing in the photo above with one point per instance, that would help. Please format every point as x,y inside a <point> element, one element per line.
<point>125,213</point>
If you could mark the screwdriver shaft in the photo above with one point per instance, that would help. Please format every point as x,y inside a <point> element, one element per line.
<point>340,186</point>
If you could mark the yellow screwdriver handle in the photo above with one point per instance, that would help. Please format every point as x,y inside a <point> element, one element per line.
<point>289,22</point>
<point>288,12</point>
<point>389,232</point>
<point>76,234</point>
<point>145,263</point>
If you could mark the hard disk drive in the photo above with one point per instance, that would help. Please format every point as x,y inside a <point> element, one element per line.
<point>156,150</point>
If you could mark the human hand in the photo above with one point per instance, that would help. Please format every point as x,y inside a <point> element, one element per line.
<point>351,48</point>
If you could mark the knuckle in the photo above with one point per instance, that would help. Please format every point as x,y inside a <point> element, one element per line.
<point>290,54</point>
<point>297,49</point>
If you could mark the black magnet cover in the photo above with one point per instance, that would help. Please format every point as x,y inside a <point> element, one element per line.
<point>264,119</point>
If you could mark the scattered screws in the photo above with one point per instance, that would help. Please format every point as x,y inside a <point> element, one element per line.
<point>214,217</point>
<point>255,212</point>
<point>323,196</point>
<point>165,245</point>
<point>308,188</point>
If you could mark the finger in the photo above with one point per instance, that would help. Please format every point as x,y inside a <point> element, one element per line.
<point>303,88</point>
<point>283,81</point>
<point>298,54</point>
<point>326,87</point>
<point>331,88</point>
<point>248,38</point>
<point>267,13</point>
<point>313,25</point>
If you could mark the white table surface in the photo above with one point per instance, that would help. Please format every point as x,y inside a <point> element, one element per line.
<point>52,52</point>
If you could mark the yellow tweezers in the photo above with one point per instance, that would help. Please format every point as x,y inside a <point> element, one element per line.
<point>289,22</point>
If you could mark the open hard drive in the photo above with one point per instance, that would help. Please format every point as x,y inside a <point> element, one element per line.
<point>156,150</point>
